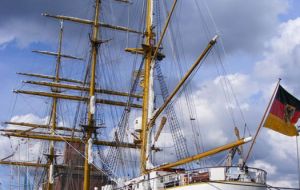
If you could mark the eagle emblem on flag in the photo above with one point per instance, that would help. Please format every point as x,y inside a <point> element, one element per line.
<point>289,112</point>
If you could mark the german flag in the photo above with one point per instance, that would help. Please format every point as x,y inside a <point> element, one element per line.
<point>284,113</point>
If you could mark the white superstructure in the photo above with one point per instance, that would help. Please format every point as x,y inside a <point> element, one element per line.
<point>214,178</point>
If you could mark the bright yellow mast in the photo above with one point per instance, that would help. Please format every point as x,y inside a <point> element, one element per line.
<point>54,113</point>
<point>148,48</point>
<point>148,120</point>
<point>56,95</point>
<point>151,53</point>
<point>91,111</point>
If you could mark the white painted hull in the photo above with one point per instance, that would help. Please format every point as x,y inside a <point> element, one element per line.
<point>221,186</point>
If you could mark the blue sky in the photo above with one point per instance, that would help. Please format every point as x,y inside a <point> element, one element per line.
<point>260,39</point>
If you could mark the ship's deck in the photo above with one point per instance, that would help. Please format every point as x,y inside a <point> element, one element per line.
<point>219,175</point>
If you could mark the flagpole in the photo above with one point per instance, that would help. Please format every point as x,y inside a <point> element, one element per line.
<point>262,121</point>
<point>298,161</point>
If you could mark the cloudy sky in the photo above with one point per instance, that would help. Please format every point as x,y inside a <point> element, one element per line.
<point>259,43</point>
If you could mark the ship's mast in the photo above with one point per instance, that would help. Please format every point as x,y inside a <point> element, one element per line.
<point>148,116</point>
<point>91,111</point>
<point>54,113</point>
<point>151,53</point>
<point>151,98</point>
<point>148,48</point>
<point>56,94</point>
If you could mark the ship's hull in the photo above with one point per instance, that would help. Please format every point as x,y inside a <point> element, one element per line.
<point>220,186</point>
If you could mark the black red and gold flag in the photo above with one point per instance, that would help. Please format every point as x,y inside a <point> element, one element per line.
<point>284,113</point>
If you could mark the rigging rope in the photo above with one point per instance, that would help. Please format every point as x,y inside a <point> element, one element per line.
<point>189,100</point>
<point>123,123</point>
<point>222,64</point>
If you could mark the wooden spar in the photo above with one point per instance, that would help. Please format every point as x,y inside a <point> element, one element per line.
<point>17,131</point>
<point>53,117</point>
<point>71,139</point>
<point>91,107</point>
<point>159,56</point>
<point>63,167</point>
<point>40,126</point>
<point>202,155</point>
<point>135,50</point>
<point>38,165</point>
<point>76,98</point>
<point>161,126</point>
<point>57,54</point>
<point>182,81</point>
<point>82,88</point>
<point>237,134</point>
<point>147,68</point>
<point>50,77</point>
<point>90,22</point>
<point>123,1</point>
<point>27,164</point>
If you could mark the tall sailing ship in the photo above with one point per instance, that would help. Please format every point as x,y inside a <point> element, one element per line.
<point>114,140</point>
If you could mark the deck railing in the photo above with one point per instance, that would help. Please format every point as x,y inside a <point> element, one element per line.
<point>232,173</point>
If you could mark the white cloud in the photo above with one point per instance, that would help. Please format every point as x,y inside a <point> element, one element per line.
<point>208,116</point>
<point>22,33</point>
<point>5,38</point>
<point>24,24</point>
<point>261,164</point>
<point>244,25</point>
<point>28,118</point>
<point>243,86</point>
<point>284,147</point>
<point>282,59</point>
<point>24,149</point>
<point>5,145</point>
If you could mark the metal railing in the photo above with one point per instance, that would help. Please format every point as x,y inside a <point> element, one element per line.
<point>232,173</point>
